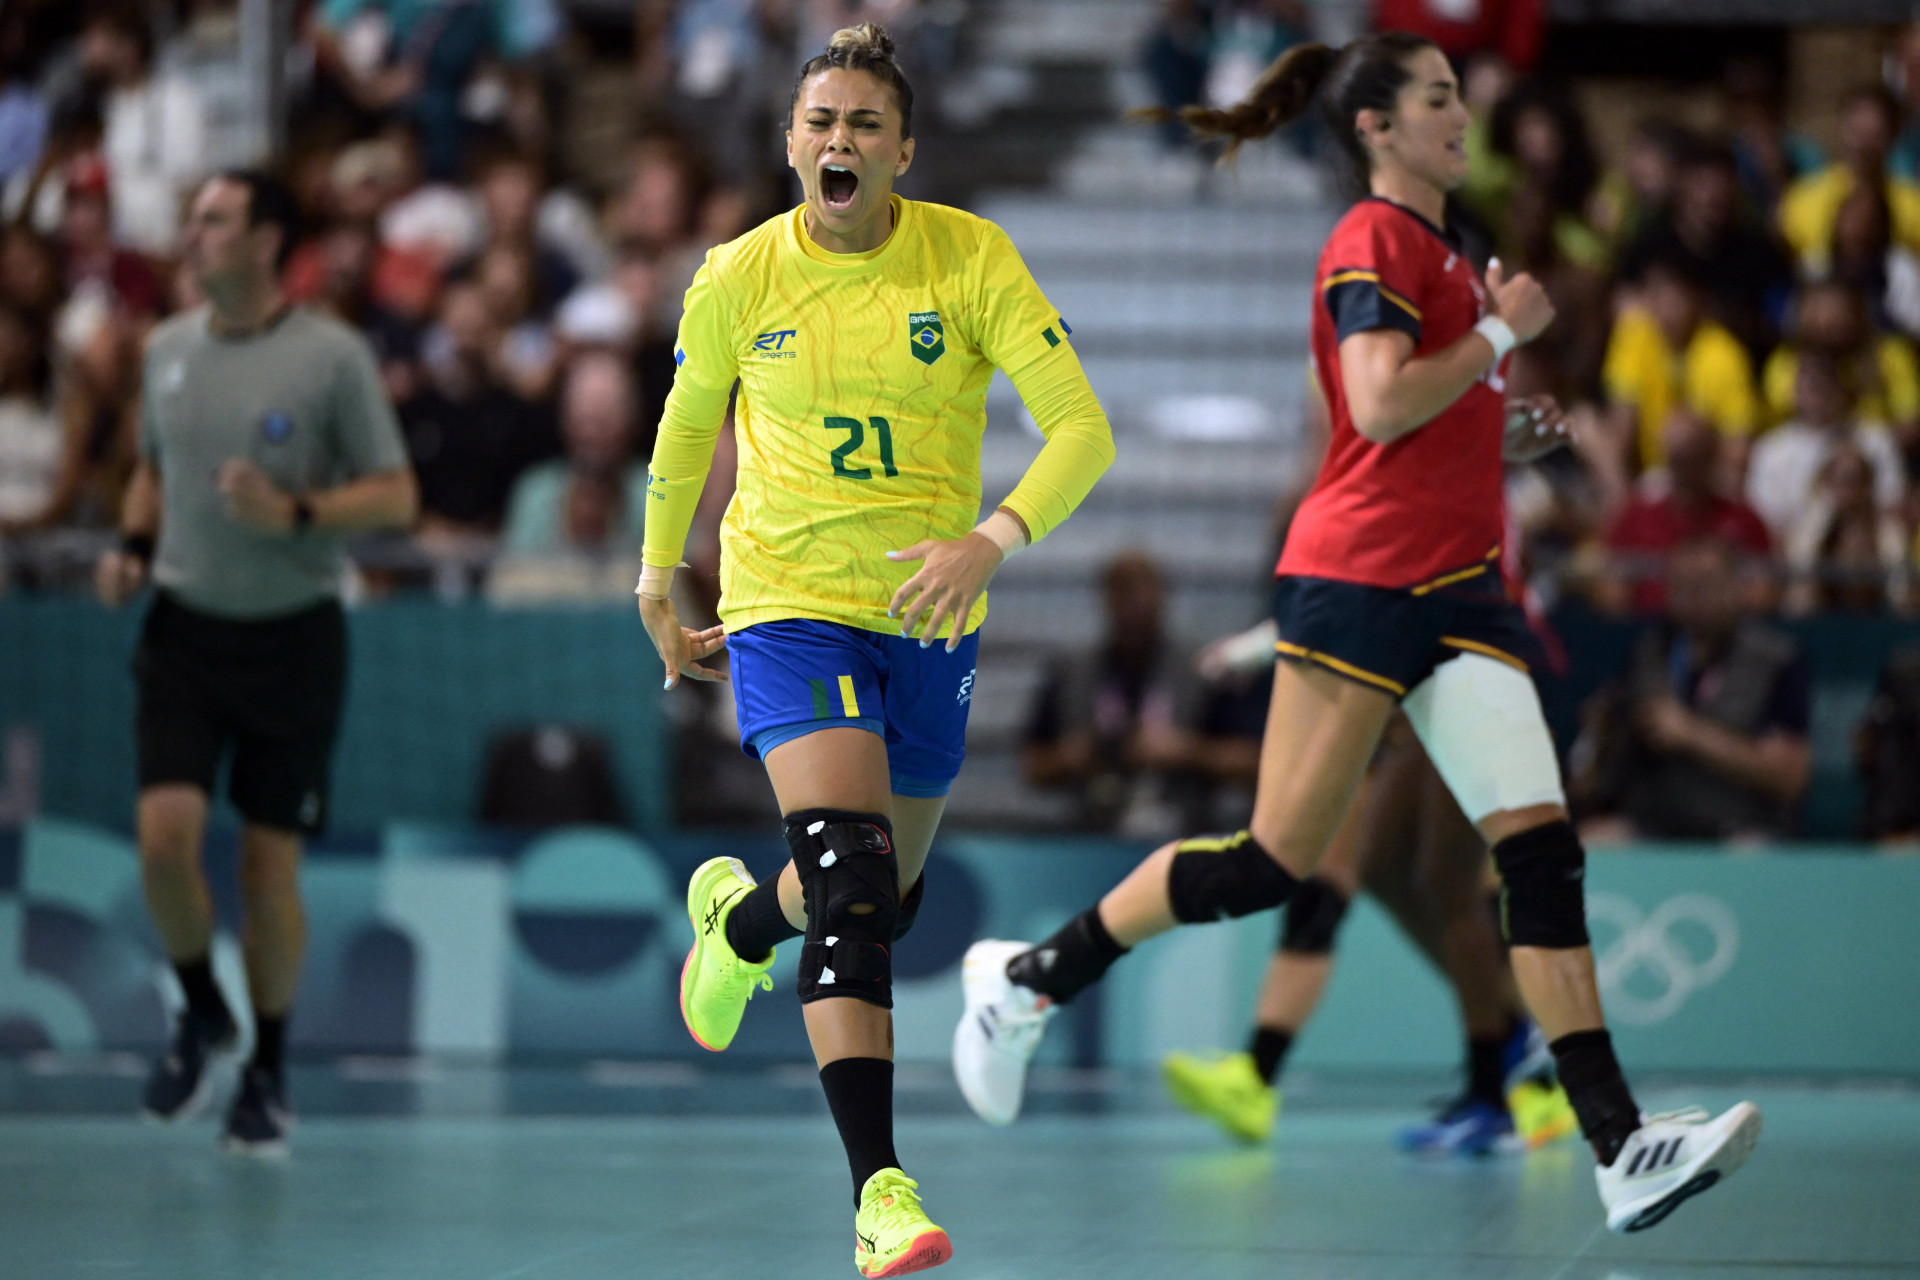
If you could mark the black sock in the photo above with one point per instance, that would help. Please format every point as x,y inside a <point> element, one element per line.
<point>1069,962</point>
<point>203,993</point>
<point>1598,1091</point>
<point>270,1043</point>
<point>860,1095</point>
<point>756,924</point>
<point>1269,1050</point>
<point>1486,1070</point>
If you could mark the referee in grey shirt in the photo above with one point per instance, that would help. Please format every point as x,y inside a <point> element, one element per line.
<point>265,437</point>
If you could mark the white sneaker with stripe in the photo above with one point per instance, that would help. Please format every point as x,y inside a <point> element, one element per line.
<point>1672,1157</point>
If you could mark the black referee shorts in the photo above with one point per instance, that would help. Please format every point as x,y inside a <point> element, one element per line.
<point>269,691</point>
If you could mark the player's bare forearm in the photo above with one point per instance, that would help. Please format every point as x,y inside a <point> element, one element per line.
<point>1391,394</point>
<point>383,500</point>
<point>140,506</point>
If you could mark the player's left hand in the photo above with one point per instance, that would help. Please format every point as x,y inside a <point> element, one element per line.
<point>1536,426</point>
<point>954,575</point>
<point>253,499</point>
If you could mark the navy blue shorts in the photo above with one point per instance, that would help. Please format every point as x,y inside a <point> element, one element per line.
<point>796,676</point>
<point>1393,639</point>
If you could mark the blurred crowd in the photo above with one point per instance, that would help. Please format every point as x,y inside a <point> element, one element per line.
<point>521,294</point>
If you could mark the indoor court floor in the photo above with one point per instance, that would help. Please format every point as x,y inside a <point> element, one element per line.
<point>655,1171</point>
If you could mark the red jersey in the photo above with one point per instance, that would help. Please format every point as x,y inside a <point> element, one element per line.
<point>1431,505</point>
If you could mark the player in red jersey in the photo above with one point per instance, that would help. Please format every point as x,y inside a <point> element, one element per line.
<point>1389,592</point>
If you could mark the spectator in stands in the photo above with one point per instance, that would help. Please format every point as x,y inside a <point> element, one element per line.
<point>593,500</point>
<point>702,61</point>
<point>99,398</point>
<point>1867,259</point>
<point>1709,738</point>
<point>1676,504</point>
<point>510,188</point>
<point>154,135</point>
<point>506,275</point>
<point>1552,176</point>
<point>31,276</point>
<point>468,433</point>
<point>24,110</point>
<point>348,252</point>
<point>1811,207</point>
<point>363,182</point>
<point>1175,56</point>
<point>1768,155</point>
<point>29,428</point>
<point>1846,551</point>
<point>102,276</point>
<point>1665,353</point>
<point>1783,475</point>
<point>414,59</point>
<point>1745,272</point>
<point>1631,196</point>
<point>653,223</point>
<point>1118,725</point>
<point>1881,370</point>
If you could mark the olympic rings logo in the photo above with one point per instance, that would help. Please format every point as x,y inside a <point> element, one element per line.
<point>1655,962</point>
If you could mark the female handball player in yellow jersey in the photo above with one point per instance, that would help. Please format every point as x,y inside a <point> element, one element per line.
<point>863,330</point>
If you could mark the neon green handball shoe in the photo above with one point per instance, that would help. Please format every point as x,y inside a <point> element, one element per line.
<point>1541,1112</point>
<point>1226,1089</point>
<point>891,1233</point>
<point>715,983</point>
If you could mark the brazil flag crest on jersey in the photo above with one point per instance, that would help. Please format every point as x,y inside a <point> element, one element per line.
<point>925,336</point>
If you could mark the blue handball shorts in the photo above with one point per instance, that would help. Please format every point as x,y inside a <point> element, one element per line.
<point>793,677</point>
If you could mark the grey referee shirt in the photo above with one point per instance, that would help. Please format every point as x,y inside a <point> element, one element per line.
<point>302,401</point>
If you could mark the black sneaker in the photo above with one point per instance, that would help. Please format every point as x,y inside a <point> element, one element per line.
<point>259,1118</point>
<point>178,1087</point>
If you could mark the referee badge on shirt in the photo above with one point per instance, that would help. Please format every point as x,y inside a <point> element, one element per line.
<point>926,337</point>
<point>276,427</point>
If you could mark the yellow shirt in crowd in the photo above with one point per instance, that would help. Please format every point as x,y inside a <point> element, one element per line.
<point>863,386</point>
<point>1713,377</point>
<point>1811,206</point>
<point>1896,399</point>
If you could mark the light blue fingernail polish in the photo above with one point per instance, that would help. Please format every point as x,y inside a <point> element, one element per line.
<point>923,644</point>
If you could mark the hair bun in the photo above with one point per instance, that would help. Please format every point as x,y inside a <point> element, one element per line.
<point>864,41</point>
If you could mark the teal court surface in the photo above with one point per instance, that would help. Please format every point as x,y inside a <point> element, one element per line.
<point>653,1171</point>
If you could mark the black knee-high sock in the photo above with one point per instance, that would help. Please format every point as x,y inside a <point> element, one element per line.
<point>756,925</point>
<point>860,1095</point>
<point>1598,1091</point>
<point>270,1042</point>
<point>1269,1050</point>
<point>1069,962</point>
<point>204,1000</point>
<point>1486,1068</point>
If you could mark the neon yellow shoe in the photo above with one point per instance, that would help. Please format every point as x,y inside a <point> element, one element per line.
<point>891,1233</point>
<point>1226,1089</point>
<point>715,983</point>
<point>1541,1112</point>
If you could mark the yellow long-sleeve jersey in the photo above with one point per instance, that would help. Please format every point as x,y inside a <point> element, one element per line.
<point>863,384</point>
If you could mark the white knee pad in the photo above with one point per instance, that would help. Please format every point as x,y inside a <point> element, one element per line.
<point>1481,724</point>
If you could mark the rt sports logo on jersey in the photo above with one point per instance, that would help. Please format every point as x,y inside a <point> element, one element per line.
<point>926,337</point>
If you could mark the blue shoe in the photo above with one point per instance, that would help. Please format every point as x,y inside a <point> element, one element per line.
<point>1468,1127</point>
<point>1526,1056</point>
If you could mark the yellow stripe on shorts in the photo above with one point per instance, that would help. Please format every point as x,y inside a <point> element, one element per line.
<point>850,703</point>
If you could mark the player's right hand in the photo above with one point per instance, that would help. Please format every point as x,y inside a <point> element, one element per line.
<point>680,648</point>
<point>1520,301</point>
<point>117,576</point>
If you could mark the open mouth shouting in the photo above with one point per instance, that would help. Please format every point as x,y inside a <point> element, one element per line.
<point>838,185</point>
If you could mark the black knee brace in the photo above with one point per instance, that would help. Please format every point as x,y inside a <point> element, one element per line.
<point>1542,899</point>
<point>910,907</point>
<point>1223,878</point>
<point>1312,918</point>
<point>846,860</point>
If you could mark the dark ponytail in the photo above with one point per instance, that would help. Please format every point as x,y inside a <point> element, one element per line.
<point>867,48</point>
<point>1367,74</point>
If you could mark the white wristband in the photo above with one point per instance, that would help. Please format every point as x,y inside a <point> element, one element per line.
<point>1499,333</point>
<point>1004,532</point>
<point>656,581</point>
